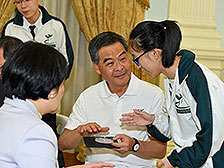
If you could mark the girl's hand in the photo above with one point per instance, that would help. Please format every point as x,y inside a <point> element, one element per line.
<point>164,163</point>
<point>139,118</point>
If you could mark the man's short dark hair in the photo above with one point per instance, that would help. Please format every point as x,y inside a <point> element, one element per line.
<point>33,71</point>
<point>102,40</point>
<point>9,45</point>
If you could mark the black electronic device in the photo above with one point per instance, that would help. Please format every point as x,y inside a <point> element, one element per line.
<point>99,142</point>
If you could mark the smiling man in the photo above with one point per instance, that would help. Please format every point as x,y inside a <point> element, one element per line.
<point>99,108</point>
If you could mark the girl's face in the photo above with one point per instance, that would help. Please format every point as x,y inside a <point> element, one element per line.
<point>150,62</point>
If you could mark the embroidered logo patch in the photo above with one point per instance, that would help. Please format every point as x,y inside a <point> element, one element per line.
<point>181,105</point>
<point>48,40</point>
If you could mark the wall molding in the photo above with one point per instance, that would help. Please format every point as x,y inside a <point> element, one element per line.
<point>197,23</point>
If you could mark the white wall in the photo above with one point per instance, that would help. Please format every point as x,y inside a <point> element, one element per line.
<point>219,19</point>
<point>159,9</point>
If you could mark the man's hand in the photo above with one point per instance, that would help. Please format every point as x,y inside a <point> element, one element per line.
<point>124,144</point>
<point>164,163</point>
<point>91,128</point>
<point>139,118</point>
<point>93,165</point>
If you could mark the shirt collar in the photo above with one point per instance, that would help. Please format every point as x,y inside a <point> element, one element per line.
<point>131,90</point>
<point>34,108</point>
<point>26,105</point>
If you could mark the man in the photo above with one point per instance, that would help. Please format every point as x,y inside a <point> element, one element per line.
<point>99,108</point>
<point>8,45</point>
<point>33,22</point>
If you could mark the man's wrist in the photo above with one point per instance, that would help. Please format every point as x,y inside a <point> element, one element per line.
<point>136,145</point>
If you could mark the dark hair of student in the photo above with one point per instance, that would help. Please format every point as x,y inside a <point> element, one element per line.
<point>165,35</point>
<point>9,45</point>
<point>33,71</point>
<point>102,40</point>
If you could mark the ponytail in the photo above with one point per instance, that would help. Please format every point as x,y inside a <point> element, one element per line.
<point>171,43</point>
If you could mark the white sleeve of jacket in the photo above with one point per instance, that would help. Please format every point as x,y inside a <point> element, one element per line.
<point>161,122</point>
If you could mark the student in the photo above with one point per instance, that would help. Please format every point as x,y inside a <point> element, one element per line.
<point>33,22</point>
<point>194,97</point>
<point>34,86</point>
<point>98,108</point>
<point>8,45</point>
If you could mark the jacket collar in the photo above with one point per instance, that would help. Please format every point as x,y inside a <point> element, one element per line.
<point>185,65</point>
<point>18,20</point>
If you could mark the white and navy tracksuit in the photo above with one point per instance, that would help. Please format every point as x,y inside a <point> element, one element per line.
<point>195,106</point>
<point>49,30</point>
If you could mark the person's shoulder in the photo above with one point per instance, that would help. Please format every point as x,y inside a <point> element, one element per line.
<point>57,24</point>
<point>148,90</point>
<point>31,126</point>
<point>39,130</point>
<point>50,18</point>
<point>8,27</point>
<point>148,86</point>
<point>56,19</point>
<point>93,88</point>
<point>90,93</point>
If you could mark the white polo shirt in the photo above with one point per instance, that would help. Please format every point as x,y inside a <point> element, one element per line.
<point>98,104</point>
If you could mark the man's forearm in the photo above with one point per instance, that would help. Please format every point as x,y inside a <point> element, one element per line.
<point>69,139</point>
<point>151,149</point>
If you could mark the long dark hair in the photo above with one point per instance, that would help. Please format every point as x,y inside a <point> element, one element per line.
<point>165,35</point>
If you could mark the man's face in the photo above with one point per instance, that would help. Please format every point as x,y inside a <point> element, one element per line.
<point>29,9</point>
<point>114,66</point>
<point>2,61</point>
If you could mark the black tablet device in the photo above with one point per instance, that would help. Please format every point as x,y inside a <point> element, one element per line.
<point>99,142</point>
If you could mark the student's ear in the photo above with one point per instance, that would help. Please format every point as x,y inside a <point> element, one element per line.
<point>96,67</point>
<point>157,53</point>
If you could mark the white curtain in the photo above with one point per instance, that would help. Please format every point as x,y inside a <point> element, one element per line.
<point>83,73</point>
